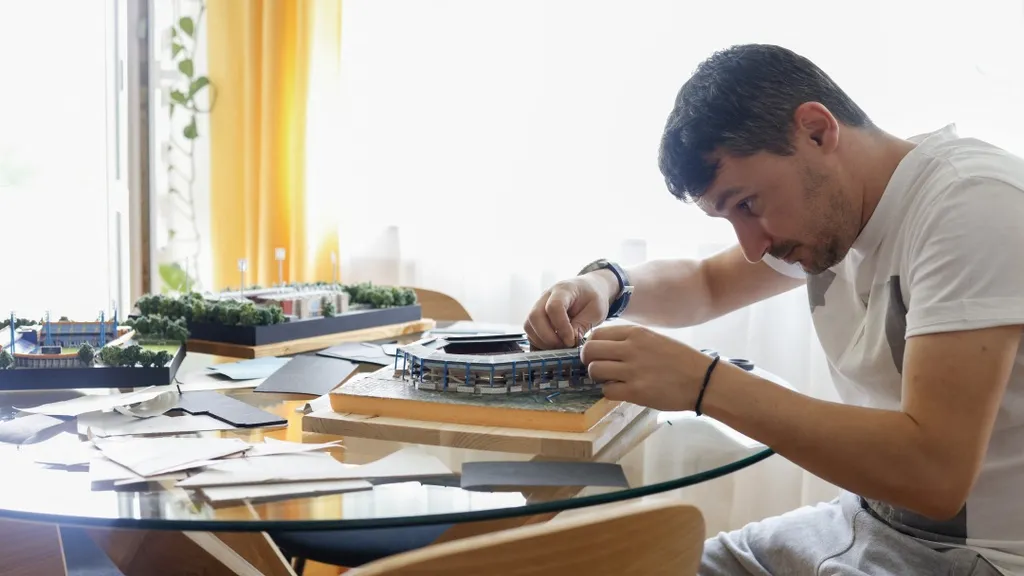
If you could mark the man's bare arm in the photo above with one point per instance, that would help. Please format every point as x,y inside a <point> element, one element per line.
<point>924,457</point>
<point>681,293</point>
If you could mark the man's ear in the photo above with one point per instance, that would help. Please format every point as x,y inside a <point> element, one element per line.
<point>816,127</point>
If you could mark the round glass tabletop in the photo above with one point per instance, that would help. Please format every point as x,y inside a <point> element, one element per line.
<point>46,481</point>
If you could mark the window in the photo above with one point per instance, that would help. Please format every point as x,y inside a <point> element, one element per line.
<point>60,158</point>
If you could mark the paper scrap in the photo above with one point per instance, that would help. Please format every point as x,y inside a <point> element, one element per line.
<point>249,369</point>
<point>408,463</point>
<point>95,402</point>
<point>273,446</point>
<point>155,406</point>
<point>105,424</point>
<point>308,374</point>
<point>218,494</point>
<point>152,456</point>
<point>321,403</point>
<point>29,429</point>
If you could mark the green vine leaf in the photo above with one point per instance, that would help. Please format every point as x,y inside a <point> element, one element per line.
<point>186,67</point>
<point>190,131</point>
<point>176,49</point>
<point>197,85</point>
<point>178,97</point>
<point>188,26</point>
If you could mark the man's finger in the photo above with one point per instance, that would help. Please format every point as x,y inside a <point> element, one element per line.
<point>615,391</point>
<point>598,350</point>
<point>557,311</point>
<point>608,371</point>
<point>544,333</point>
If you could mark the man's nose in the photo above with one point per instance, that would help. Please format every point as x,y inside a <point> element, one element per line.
<point>754,243</point>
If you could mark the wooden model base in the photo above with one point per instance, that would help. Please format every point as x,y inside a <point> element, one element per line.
<point>309,344</point>
<point>381,393</point>
<point>562,445</point>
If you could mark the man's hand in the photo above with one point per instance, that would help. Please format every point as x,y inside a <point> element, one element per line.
<point>640,366</point>
<point>569,309</point>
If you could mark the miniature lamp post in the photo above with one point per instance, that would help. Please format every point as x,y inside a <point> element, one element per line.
<point>279,256</point>
<point>243,265</point>
<point>334,266</point>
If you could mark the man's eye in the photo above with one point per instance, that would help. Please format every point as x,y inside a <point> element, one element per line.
<point>744,206</point>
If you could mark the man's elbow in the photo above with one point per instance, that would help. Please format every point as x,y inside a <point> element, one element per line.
<point>944,496</point>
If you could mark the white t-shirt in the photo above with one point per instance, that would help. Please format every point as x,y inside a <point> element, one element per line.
<point>943,251</point>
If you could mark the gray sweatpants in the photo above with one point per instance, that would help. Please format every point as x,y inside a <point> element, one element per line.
<point>834,538</point>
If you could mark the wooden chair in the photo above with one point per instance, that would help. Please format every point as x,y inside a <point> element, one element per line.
<point>440,307</point>
<point>666,537</point>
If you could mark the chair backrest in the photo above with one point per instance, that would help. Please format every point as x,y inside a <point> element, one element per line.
<point>652,539</point>
<point>441,307</point>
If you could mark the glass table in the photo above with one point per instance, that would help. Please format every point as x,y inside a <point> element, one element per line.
<point>659,452</point>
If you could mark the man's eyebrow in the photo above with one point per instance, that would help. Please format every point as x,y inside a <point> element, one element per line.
<point>725,196</point>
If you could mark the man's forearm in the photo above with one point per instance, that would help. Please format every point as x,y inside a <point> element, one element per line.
<point>682,293</point>
<point>668,293</point>
<point>879,454</point>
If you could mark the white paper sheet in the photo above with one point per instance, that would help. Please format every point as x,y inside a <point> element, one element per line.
<point>106,424</point>
<point>104,472</point>
<point>407,463</point>
<point>199,380</point>
<point>95,402</point>
<point>152,456</point>
<point>272,446</point>
<point>281,490</point>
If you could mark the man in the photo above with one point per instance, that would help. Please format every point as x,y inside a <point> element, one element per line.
<point>911,255</point>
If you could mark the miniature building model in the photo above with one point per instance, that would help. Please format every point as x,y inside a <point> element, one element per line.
<point>489,365</point>
<point>305,303</point>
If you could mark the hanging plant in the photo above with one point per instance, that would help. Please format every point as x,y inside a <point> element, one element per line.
<point>179,259</point>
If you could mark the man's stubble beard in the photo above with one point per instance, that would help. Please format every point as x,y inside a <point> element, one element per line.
<point>833,237</point>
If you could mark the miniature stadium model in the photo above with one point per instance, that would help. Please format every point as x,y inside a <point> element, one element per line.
<point>498,364</point>
<point>482,381</point>
<point>93,354</point>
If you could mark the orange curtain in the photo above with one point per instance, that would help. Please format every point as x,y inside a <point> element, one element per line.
<point>259,54</point>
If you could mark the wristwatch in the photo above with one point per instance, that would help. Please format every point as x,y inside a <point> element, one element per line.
<point>618,306</point>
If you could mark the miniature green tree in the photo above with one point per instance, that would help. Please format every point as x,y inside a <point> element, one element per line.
<point>162,358</point>
<point>6,360</point>
<point>110,355</point>
<point>146,358</point>
<point>86,354</point>
<point>130,355</point>
<point>327,307</point>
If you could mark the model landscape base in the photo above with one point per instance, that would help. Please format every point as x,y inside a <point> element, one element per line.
<point>95,376</point>
<point>382,332</point>
<point>383,394</point>
<point>546,443</point>
<point>303,329</point>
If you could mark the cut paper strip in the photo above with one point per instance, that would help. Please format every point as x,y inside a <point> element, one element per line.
<point>272,446</point>
<point>95,402</point>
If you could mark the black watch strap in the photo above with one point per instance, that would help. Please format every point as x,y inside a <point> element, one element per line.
<point>618,306</point>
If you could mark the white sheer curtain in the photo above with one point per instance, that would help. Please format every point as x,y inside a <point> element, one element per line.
<point>487,149</point>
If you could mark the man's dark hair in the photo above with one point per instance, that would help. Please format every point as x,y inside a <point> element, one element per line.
<point>741,101</point>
